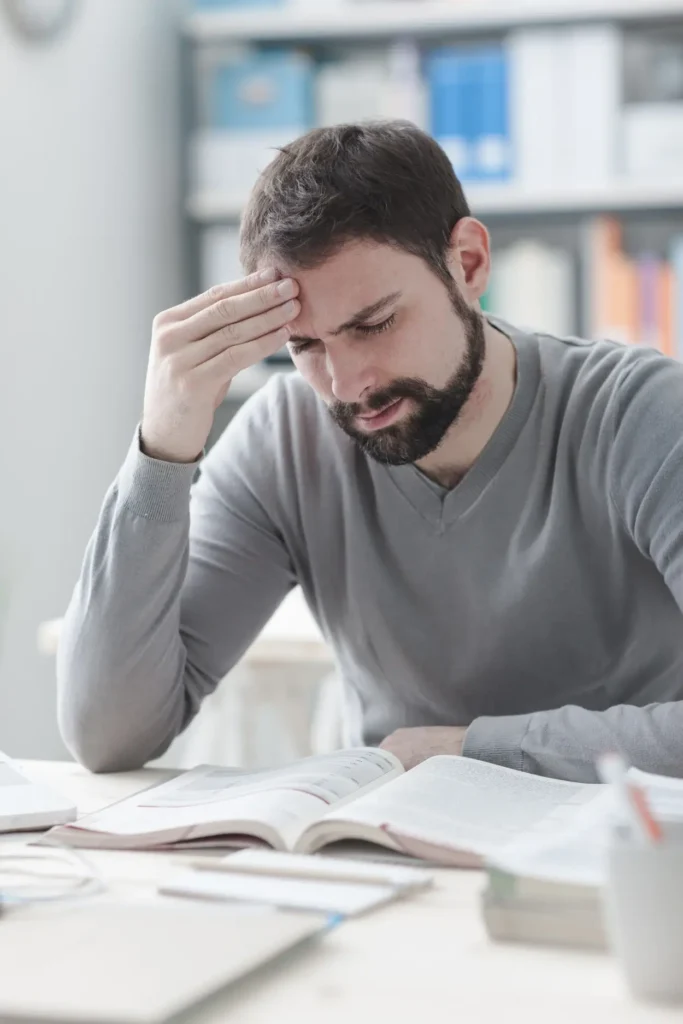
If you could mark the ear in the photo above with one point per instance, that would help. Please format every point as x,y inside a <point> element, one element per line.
<point>471,257</point>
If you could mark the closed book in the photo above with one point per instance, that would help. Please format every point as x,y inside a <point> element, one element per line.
<point>652,118</point>
<point>610,286</point>
<point>452,85</point>
<point>532,286</point>
<point>666,309</point>
<point>548,888</point>
<point>469,110</point>
<point>262,92</point>
<point>227,163</point>
<point>492,148</point>
<point>591,101</point>
<point>677,286</point>
<point>534,99</point>
<point>648,277</point>
<point>351,89</point>
<point>407,95</point>
<point>564,924</point>
<point>653,141</point>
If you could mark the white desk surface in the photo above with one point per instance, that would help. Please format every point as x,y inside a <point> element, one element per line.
<point>421,961</point>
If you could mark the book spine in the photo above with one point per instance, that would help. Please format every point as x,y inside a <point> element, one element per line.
<point>612,285</point>
<point>592,61</point>
<point>533,102</point>
<point>532,286</point>
<point>449,117</point>
<point>648,274</point>
<point>665,308</point>
<point>677,270</point>
<point>492,139</point>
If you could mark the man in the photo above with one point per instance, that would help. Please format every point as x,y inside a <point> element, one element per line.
<point>487,523</point>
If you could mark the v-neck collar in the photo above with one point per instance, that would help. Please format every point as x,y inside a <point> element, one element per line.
<point>444,508</point>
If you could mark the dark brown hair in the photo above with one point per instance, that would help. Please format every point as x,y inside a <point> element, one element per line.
<point>385,181</point>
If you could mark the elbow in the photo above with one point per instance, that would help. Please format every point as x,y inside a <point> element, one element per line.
<point>107,717</point>
<point>100,737</point>
<point>96,748</point>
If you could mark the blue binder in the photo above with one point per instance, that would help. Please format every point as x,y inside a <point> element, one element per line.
<point>263,91</point>
<point>469,110</point>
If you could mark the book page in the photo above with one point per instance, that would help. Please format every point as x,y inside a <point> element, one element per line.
<point>459,803</point>
<point>577,853</point>
<point>210,800</point>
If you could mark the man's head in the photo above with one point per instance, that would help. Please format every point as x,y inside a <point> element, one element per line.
<point>372,222</point>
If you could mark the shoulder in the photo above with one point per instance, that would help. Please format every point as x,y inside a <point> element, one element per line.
<point>603,375</point>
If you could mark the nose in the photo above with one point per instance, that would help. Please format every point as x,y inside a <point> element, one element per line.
<point>351,376</point>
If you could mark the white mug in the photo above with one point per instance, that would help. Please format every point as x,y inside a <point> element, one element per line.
<point>643,904</point>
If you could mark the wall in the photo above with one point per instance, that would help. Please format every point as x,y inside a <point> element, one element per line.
<point>90,241</point>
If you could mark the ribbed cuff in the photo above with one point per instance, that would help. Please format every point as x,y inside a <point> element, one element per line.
<point>498,740</point>
<point>154,489</point>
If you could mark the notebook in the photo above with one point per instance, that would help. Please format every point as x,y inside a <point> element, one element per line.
<point>27,805</point>
<point>135,962</point>
<point>292,880</point>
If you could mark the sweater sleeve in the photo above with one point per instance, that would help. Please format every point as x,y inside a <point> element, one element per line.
<point>645,479</point>
<point>176,583</point>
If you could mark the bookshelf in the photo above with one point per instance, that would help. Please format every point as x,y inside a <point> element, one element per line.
<point>558,209</point>
<point>383,20</point>
<point>502,200</point>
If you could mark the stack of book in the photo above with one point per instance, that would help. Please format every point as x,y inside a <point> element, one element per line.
<point>547,888</point>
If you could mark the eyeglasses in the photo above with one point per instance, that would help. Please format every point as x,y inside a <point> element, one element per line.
<point>32,874</point>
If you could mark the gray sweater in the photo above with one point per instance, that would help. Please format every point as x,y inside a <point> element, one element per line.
<point>538,602</point>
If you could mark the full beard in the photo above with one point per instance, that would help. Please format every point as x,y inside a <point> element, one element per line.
<point>436,409</point>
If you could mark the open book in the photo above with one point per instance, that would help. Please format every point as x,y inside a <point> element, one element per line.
<point>448,809</point>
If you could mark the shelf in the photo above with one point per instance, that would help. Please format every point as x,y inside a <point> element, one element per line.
<point>503,200</point>
<point>408,17</point>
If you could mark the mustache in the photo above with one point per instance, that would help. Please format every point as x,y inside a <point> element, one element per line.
<point>404,387</point>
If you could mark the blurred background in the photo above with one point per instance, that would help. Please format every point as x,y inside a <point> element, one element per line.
<point>131,132</point>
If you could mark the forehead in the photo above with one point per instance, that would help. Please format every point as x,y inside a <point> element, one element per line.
<point>356,276</point>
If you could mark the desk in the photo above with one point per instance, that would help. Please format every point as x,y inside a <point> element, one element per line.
<point>423,961</point>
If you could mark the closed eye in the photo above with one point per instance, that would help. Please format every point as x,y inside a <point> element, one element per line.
<point>296,347</point>
<point>377,328</point>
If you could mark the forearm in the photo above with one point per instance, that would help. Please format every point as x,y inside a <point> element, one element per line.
<point>565,743</point>
<point>121,663</point>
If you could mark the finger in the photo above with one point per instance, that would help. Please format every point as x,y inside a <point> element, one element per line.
<point>236,310</point>
<point>215,294</point>
<point>240,333</point>
<point>230,361</point>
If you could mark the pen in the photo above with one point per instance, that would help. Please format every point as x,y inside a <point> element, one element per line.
<point>631,799</point>
<point>313,872</point>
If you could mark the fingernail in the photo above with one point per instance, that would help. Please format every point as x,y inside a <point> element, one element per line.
<point>286,288</point>
<point>269,274</point>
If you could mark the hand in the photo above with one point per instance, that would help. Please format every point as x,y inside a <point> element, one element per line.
<point>411,746</point>
<point>197,349</point>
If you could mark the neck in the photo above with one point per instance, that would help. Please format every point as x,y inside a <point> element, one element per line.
<point>488,403</point>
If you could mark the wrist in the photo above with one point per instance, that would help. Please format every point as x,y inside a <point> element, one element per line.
<point>160,452</point>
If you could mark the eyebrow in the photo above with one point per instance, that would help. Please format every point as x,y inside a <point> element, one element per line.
<point>358,319</point>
